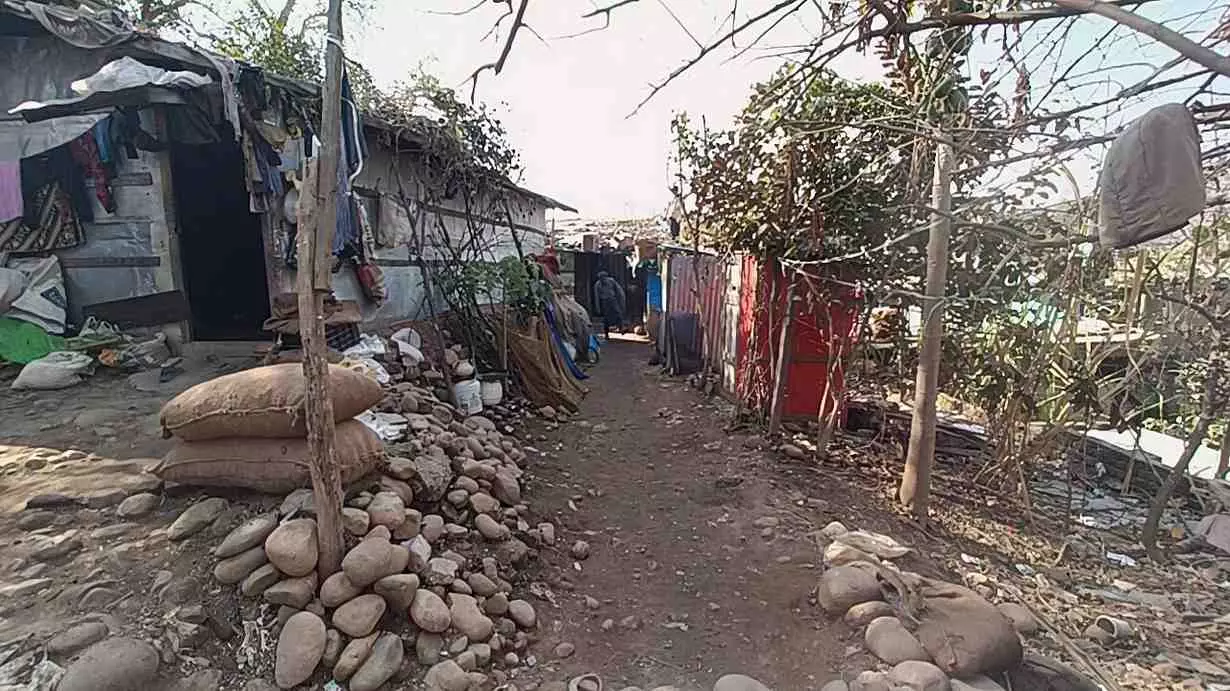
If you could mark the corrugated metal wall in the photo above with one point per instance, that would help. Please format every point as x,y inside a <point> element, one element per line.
<point>697,283</point>
<point>824,331</point>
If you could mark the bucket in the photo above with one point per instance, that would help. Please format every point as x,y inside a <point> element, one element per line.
<point>492,391</point>
<point>468,397</point>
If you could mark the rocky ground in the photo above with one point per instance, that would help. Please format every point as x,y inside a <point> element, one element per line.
<point>679,553</point>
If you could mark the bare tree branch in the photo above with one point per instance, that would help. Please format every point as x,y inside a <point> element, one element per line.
<point>498,66</point>
<point>1168,37</point>
<point>457,13</point>
<point>734,31</point>
<point>287,10</point>
<point>680,23</point>
<point>309,20</point>
<point>606,11</point>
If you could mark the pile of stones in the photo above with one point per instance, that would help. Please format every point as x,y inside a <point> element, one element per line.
<point>852,587</point>
<point>437,539</point>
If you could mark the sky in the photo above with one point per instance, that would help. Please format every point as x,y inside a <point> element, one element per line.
<point>568,102</point>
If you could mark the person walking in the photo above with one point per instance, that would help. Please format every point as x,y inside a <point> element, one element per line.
<point>610,300</point>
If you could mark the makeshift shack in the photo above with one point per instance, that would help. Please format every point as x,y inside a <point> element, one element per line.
<point>148,183</point>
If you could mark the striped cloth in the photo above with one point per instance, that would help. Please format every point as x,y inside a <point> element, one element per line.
<point>57,228</point>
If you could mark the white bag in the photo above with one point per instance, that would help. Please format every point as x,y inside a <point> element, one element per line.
<point>58,370</point>
<point>12,285</point>
<point>44,301</point>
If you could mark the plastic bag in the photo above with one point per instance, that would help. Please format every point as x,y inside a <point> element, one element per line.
<point>388,426</point>
<point>409,344</point>
<point>12,285</point>
<point>58,370</point>
<point>367,366</point>
<point>880,545</point>
<point>369,345</point>
<point>138,356</point>
<point>44,301</point>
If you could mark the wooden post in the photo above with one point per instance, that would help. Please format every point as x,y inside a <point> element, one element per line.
<point>915,491</point>
<point>1223,458</point>
<point>785,353</point>
<point>318,221</point>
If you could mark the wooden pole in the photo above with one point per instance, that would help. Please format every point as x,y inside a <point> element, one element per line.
<point>313,284</point>
<point>785,354</point>
<point>1223,458</point>
<point>915,490</point>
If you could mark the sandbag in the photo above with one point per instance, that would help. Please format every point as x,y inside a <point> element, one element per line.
<point>264,402</point>
<point>268,465</point>
<point>965,634</point>
<point>56,370</point>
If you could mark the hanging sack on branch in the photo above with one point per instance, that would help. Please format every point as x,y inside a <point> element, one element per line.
<point>1152,182</point>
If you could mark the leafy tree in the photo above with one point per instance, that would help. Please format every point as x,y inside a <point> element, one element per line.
<point>283,36</point>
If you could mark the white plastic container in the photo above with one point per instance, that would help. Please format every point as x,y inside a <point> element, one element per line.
<point>492,392</point>
<point>468,397</point>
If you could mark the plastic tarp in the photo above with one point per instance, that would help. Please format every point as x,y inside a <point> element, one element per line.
<point>83,29</point>
<point>117,83</point>
<point>20,139</point>
<point>23,342</point>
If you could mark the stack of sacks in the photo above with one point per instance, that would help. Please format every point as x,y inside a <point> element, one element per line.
<point>249,430</point>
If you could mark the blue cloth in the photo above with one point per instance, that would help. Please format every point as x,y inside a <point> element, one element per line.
<point>102,136</point>
<point>347,231</point>
<point>559,345</point>
<point>268,162</point>
<point>653,290</point>
<point>355,150</point>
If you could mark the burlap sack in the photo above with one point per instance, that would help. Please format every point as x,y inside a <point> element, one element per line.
<point>268,465</point>
<point>262,402</point>
<point>965,634</point>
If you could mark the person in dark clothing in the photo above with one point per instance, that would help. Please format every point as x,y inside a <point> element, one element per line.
<point>610,300</point>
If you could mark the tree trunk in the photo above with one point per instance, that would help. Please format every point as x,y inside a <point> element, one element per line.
<point>785,353</point>
<point>1208,408</point>
<point>312,285</point>
<point>915,491</point>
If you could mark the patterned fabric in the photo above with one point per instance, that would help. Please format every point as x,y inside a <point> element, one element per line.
<point>57,224</point>
<point>85,152</point>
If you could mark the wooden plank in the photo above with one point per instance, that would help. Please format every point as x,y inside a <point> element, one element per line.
<point>146,310</point>
<point>108,262</point>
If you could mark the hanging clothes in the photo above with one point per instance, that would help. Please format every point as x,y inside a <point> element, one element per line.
<point>292,154</point>
<point>102,139</point>
<point>84,150</point>
<point>258,202</point>
<point>11,205</point>
<point>58,166</point>
<point>251,86</point>
<point>50,223</point>
<point>354,146</point>
<point>352,129</point>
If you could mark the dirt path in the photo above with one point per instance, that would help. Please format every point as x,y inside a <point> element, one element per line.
<point>702,561</point>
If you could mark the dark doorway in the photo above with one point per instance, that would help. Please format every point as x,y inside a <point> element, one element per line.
<point>221,250</point>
